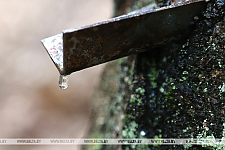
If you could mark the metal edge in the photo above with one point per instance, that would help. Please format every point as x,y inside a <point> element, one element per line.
<point>133,14</point>
<point>43,43</point>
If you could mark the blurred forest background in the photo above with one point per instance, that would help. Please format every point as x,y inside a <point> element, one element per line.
<point>32,104</point>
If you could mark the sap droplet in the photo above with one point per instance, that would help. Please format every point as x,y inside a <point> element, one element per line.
<point>63,81</point>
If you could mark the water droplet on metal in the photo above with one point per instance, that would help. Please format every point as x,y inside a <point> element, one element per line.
<point>63,81</point>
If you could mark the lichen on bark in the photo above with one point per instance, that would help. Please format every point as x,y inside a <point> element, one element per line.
<point>174,91</point>
<point>184,86</point>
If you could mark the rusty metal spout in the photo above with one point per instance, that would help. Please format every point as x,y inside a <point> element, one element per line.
<point>90,45</point>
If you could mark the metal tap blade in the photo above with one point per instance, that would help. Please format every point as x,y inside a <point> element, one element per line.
<point>90,45</point>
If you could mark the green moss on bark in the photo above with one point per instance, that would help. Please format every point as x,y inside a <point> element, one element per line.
<point>184,86</point>
<point>175,91</point>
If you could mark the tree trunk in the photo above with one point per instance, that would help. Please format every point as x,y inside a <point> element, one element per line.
<point>174,91</point>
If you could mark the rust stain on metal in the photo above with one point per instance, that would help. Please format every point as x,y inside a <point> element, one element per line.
<point>127,34</point>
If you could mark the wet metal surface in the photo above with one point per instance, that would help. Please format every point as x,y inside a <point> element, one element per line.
<point>54,48</point>
<point>127,34</point>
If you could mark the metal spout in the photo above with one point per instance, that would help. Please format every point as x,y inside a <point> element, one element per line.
<point>77,49</point>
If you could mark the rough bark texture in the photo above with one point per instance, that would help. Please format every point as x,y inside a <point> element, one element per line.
<point>175,91</point>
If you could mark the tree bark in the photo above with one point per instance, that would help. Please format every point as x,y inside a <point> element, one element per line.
<point>174,91</point>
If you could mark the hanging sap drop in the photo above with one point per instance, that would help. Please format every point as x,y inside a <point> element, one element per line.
<point>63,81</point>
